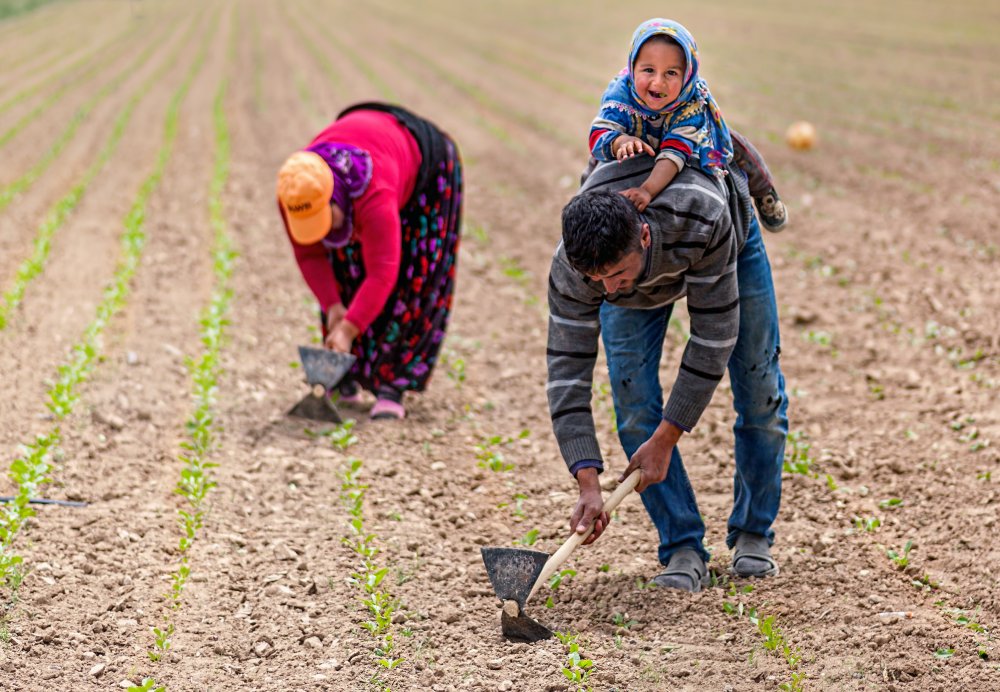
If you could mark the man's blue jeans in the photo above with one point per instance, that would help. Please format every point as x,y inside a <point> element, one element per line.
<point>633,343</point>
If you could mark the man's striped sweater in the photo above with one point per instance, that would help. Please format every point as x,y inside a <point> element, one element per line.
<point>693,253</point>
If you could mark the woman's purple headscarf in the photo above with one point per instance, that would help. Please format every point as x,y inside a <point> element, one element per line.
<point>352,172</point>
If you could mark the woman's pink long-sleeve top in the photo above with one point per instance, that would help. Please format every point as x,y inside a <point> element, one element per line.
<point>395,162</point>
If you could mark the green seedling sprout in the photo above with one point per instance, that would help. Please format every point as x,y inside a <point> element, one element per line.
<point>518,510</point>
<point>869,524</point>
<point>489,455</point>
<point>162,643</point>
<point>556,580</point>
<point>623,620</point>
<point>455,366</point>
<point>902,559</point>
<point>797,458</point>
<point>342,437</point>
<point>479,233</point>
<point>528,538</point>
<point>576,669</point>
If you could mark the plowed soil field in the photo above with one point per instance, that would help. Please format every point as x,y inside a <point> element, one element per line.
<point>114,123</point>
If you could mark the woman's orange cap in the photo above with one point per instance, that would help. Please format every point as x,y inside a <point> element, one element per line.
<point>305,185</point>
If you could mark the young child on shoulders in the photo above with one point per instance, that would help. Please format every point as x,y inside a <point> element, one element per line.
<point>658,105</point>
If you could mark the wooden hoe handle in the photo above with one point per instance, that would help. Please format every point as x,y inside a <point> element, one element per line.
<point>561,555</point>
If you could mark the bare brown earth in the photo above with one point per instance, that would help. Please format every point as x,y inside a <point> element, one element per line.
<point>890,309</point>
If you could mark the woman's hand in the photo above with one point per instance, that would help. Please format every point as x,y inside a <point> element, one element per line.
<point>334,315</point>
<point>627,146</point>
<point>342,336</point>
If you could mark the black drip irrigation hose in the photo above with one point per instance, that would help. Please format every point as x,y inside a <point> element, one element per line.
<point>44,501</point>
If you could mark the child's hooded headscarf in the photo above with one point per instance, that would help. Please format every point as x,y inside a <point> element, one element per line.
<point>694,88</point>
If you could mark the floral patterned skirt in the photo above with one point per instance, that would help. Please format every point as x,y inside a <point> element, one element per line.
<point>400,347</point>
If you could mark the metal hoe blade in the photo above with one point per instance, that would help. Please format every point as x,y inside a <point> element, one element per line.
<point>316,407</point>
<point>323,370</point>
<point>512,572</point>
<point>324,367</point>
<point>518,627</point>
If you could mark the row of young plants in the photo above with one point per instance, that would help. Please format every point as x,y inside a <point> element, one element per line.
<point>475,115</point>
<point>66,73</point>
<point>772,637</point>
<point>32,468</point>
<point>331,72</point>
<point>369,575</point>
<point>526,67</point>
<point>20,184</point>
<point>202,428</point>
<point>60,211</point>
<point>56,96</point>
<point>45,53</point>
<point>357,60</point>
<point>576,669</point>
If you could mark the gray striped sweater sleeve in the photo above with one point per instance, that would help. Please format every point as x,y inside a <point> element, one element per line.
<point>713,304</point>
<point>574,331</point>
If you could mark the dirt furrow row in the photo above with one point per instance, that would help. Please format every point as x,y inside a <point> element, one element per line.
<point>99,441</point>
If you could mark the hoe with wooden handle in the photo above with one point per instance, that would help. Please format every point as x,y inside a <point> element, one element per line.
<point>517,573</point>
<point>324,370</point>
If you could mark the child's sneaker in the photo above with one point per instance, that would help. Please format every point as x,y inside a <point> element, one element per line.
<point>772,211</point>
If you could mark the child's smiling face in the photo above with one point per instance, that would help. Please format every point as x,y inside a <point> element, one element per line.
<point>659,72</point>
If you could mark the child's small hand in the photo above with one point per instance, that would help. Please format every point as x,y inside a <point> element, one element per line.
<point>639,197</point>
<point>627,146</point>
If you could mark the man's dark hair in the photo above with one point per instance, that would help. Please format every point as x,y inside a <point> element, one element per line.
<point>598,229</point>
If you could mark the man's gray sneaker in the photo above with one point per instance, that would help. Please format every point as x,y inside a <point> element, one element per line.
<point>685,571</point>
<point>752,557</point>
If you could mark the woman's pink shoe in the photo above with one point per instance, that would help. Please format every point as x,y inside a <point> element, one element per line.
<point>388,409</point>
